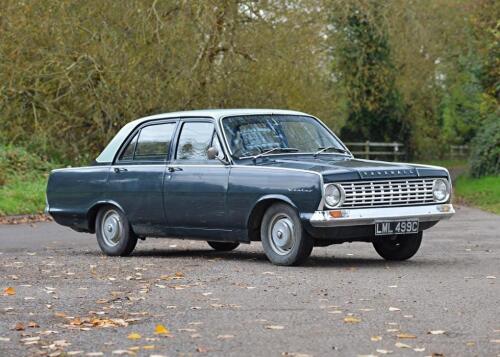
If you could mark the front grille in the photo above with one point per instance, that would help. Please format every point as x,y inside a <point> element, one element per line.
<point>387,193</point>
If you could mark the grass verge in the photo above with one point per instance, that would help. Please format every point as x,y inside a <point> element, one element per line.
<point>483,192</point>
<point>23,179</point>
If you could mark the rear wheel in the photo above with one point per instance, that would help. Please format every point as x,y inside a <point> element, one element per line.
<point>114,236</point>
<point>284,240</point>
<point>400,247</point>
<point>223,246</point>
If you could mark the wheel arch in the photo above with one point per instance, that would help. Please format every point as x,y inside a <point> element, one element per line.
<point>255,217</point>
<point>94,209</point>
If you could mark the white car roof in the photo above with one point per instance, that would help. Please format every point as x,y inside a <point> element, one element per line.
<point>109,152</point>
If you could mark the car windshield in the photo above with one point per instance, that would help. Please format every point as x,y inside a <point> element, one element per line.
<point>251,135</point>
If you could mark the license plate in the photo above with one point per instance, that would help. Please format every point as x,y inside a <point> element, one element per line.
<point>408,226</point>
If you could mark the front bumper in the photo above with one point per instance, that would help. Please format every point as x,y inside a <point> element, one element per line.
<point>368,216</point>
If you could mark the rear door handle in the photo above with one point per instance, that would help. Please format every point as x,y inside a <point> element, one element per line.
<point>173,168</point>
<point>120,169</point>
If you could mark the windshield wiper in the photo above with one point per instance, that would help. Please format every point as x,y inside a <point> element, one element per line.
<point>328,148</point>
<point>267,152</point>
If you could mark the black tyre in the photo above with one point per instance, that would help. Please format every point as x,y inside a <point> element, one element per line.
<point>284,240</point>
<point>223,246</point>
<point>401,247</point>
<point>113,232</point>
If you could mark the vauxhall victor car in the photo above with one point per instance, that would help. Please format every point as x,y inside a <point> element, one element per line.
<point>237,176</point>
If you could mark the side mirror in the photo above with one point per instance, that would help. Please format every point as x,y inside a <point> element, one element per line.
<point>212,153</point>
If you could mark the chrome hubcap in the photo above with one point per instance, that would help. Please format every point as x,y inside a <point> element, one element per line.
<point>282,234</point>
<point>111,228</point>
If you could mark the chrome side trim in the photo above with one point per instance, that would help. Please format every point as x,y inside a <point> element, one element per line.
<point>368,216</point>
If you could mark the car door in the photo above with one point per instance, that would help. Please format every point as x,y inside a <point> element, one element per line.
<point>195,200</point>
<point>137,177</point>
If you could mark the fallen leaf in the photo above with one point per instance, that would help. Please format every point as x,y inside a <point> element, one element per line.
<point>148,347</point>
<point>274,327</point>
<point>161,330</point>
<point>224,337</point>
<point>436,332</point>
<point>394,309</point>
<point>4,339</point>
<point>376,338</point>
<point>122,352</point>
<point>30,339</point>
<point>419,349</point>
<point>495,341</point>
<point>491,277</point>
<point>384,352</point>
<point>19,326</point>
<point>405,335</point>
<point>201,349</point>
<point>402,345</point>
<point>351,320</point>
<point>9,291</point>
<point>134,336</point>
<point>33,324</point>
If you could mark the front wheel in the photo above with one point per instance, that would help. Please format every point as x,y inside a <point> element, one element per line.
<point>114,236</point>
<point>400,247</point>
<point>284,240</point>
<point>223,246</point>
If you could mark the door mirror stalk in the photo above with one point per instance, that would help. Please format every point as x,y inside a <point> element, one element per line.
<point>212,154</point>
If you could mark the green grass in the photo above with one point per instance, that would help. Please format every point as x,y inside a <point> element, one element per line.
<point>483,192</point>
<point>23,195</point>
<point>23,179</point>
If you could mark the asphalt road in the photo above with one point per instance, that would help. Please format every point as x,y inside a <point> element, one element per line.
<point>345,302</point>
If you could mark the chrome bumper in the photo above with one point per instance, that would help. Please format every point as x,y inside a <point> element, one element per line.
<point>368,216</point>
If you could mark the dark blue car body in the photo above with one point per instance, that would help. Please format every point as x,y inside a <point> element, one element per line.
<point>225,201</point>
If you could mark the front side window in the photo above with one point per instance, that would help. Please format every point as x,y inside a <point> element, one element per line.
<point>194,140</point>
<point>253,134</point>
<point>151,143</point>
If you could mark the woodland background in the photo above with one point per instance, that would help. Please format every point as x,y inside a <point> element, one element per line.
<point>425,73</point>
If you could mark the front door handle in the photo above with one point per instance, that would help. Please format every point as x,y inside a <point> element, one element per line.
<point>120,169</point>
<point>173,168</point>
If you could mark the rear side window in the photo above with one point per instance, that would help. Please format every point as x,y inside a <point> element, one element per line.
<point>128,154</point>
<point>194,140</point>
<point>151,143</point>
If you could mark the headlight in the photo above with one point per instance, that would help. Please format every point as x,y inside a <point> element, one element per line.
<point>440,190</point>
<point>333,195</point>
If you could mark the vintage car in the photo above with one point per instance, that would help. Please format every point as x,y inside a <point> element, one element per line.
<point>241,175</point>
